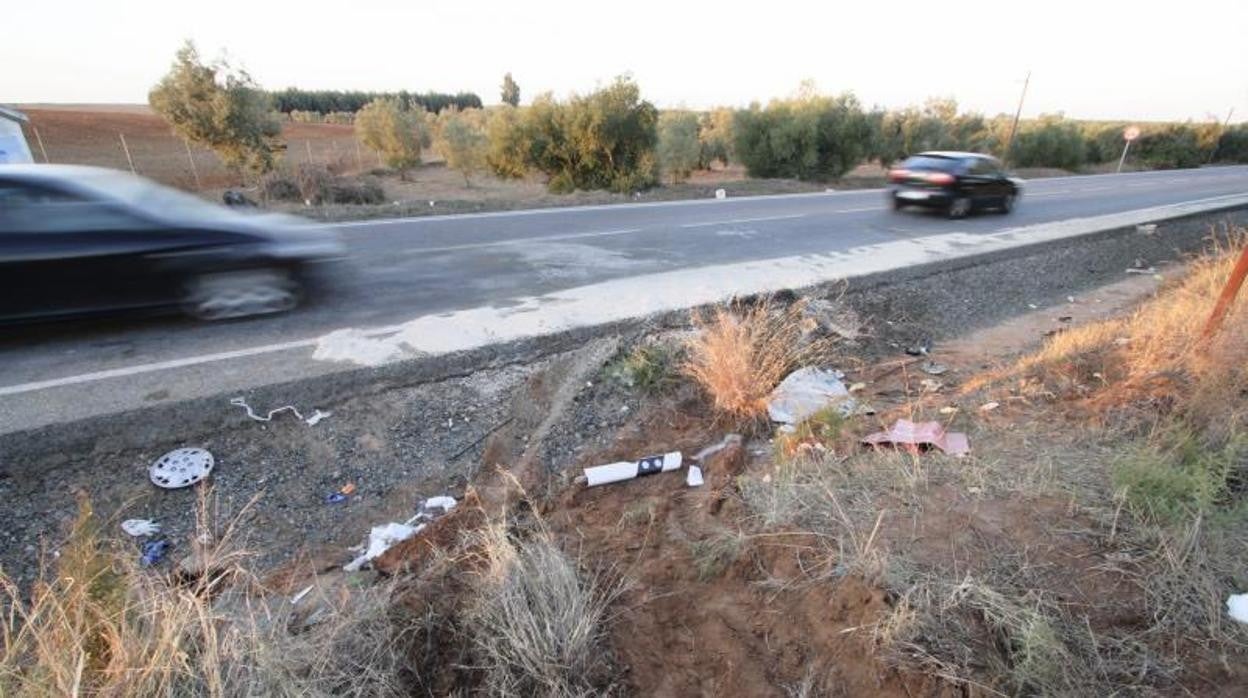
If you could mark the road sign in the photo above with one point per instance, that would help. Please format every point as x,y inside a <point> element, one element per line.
<point>1131,133</point>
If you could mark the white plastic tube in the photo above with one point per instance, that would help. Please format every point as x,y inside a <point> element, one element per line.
<point>627,470</point>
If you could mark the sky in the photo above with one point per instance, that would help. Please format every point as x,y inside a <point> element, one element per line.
<point>1156,60</point>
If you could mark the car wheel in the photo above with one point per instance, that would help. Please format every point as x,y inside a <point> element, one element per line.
<point>959,207</point>
<point>1007,202</point>
<point>897,204</point>
<point>236,294</point>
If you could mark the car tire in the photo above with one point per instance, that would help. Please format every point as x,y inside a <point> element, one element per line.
<point>236,294</point>
<point>959,207</point>
<point>1007,203</point>
<point>897,204</point>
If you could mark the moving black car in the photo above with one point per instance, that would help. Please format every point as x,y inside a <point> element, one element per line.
<point>957,183</point>
<point>77,240</point>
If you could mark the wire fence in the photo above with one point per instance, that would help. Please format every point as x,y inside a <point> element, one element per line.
<point>141,142</point>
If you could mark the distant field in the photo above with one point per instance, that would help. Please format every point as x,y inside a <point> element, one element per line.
<point>91,135</point>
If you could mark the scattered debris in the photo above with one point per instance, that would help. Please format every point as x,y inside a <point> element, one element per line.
<point>335,498</point>
<point>153,552</point>
<point>1033,306</point>
<point>933,369</point>
<point>1070,299</point>
<point>931,385</point>
<point>443,502</point>
<point>911,435</point>
<point>989,406</point>
<point>805,392</point>
<point>1145,270</point>
<point>1146,228</point>
<point>380,539</point>
<point>311,420</point>
<point>302,593</point>
<point>1065,318</point>
<point>140,527</point>
<point>857,387</point>
<point>1237,607</point>
<point>694,477</point>
<point>1121,341</point>
<point>949,409</point>
<point>922,348</point>
<point>181,468</point>
<point>628,470</point>
<point>348,489</point>
<point>721,194</point>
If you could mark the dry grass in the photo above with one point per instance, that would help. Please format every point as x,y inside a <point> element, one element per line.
<point>1152,362</point>
<point>740,354</point>
<point>536,625</point>
<point>1010,642</point>
<point>102,626</point>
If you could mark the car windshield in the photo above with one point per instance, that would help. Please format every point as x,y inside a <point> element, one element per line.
<point>931,162</point>
<point>153,198</point>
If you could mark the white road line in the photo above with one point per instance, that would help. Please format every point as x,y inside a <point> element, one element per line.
<point>856,210</point>
<point>734,221</point>
<point>517,241</point>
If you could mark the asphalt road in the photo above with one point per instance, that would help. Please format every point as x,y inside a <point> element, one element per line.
<point>401,269</point>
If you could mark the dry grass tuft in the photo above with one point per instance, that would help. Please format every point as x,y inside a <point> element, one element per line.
<point>101,625</point>
<point>537,626</point>
<point>740,354</point>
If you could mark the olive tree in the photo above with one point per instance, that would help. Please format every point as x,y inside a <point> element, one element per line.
<point>395,133</point>
<point>218,107</point>
<point>679,150</point>
<point>462,141</point>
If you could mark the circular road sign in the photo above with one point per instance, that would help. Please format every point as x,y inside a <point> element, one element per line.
<point>1131,133</point>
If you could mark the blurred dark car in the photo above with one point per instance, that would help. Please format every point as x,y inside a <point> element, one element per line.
<point>956,183</point>
<point>80,240</point>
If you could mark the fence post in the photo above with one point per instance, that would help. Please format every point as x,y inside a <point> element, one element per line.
<point>127,149</point>
<point>1214,323</point>
<point>308,144</point>
<point>194,170</point>
<point>39,140</point>
<point>359,162</point>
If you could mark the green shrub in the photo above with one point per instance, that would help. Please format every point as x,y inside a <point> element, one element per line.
<point>679,148</point>
<point>1052,141</point>
<point>715,137</point>
<point>462,141</point>
<point>1178,478</point>
<point>1168,147</point>
<point>603,140</point>
<point>368,191</point>
<point>507,146</point>
<point>810,137</point>
<point>279,186</point>
<point>1233,144</point>
<point>393,132</point>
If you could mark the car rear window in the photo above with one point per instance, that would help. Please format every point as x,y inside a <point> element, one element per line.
<point>930,162</point>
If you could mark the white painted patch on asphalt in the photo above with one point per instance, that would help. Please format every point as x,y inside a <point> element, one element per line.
<point>355,346</point>
<point>737,221</point>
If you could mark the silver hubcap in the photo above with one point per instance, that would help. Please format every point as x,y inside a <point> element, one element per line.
<point>240,294</point>
<point>960,207</point>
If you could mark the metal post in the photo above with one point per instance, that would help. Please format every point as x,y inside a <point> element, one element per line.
<point>1125,148</point>
<point>39,140</point>
<point>127,149</point>
<point>1009,143</point>
<point>194,170</point>
<point>1214,323</point>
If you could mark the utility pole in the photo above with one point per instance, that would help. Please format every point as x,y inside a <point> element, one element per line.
<point>1225,124</point>
<point>1009,143</point>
